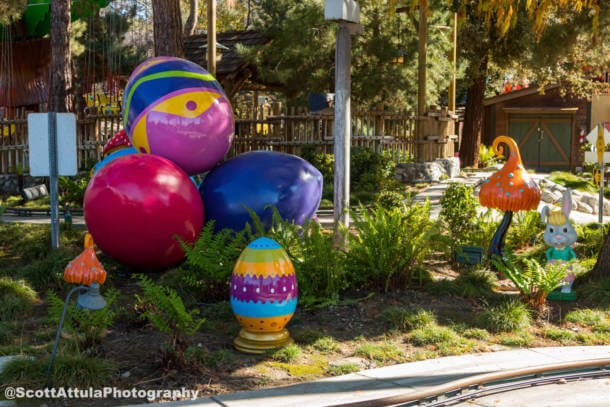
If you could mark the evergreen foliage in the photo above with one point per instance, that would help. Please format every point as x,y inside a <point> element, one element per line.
<point>384,57</point>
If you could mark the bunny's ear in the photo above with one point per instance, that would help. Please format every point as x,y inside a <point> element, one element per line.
<point>566,203</point>
<point>545,213</point>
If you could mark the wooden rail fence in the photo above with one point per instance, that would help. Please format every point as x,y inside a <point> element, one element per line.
<point>389,133</point>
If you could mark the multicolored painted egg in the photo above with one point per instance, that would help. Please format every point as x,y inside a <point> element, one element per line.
<point>176,109</point>
<point>263,287</point>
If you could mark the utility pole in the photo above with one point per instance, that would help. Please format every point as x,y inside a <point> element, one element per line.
<point>347,14</point>
<point>421,78</point>
<point>212,37</point>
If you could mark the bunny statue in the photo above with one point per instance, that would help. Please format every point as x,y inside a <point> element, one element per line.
<point>560,235</point>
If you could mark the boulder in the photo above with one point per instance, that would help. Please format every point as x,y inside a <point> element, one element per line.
<point>431,171</point>
<point>583,207</point>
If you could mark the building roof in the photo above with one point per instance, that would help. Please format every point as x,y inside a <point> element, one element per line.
<point>195,49</point>
<point>516,94</point>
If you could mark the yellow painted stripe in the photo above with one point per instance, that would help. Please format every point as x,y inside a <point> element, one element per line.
<point>272,269</point>
<point>176,105</point>
<point>138,135</point>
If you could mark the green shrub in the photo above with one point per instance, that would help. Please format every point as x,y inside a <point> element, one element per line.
<point>458,210</point>
<point>590,239</point>
<point>48,272</point>
<point>521,339</point>
<point>73,190</point>
<point>475,283</point>
<point>8,330</point>
<point>287,354</point>
<point>572,181</point>
<point>390,200</point>
<point>487,156</point>
<point>535,282</point>
<point>597,291</point>
<point>405,320</point>
<point>343,369</point>
<point>526,226</point>
<point>509,316</point>
<point>166,311</point>
<point>369,171</point>
<point>433,335</point>
<point>560,335</point>
<point>586,316</point>
<point>74,370</point>
<point>476,333</point>
<point>86,327</point>
<point>380,352</point>
<point>16,298</point>
<point>319,267</point>
<point>326,344</point>
<point>389,245</point>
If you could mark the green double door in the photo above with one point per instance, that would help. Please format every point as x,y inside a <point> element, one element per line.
<point>545,141</point>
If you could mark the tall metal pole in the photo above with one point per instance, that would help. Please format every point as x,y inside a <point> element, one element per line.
<point>421,78</point>
<point>212,37</point>
<point>453,59</point>
<point>342,128</point>
<point>54,198</point>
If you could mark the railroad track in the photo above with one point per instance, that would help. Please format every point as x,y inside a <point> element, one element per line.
<point>492,383</point>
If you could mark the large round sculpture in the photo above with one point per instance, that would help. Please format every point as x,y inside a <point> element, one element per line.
<point>175,109</point>
<point>115,154</point>
<point>135,206</point>
<point>256,180</point>
<point>264,295</point>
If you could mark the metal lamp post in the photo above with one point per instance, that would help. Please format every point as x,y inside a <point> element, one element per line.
<point>88,298</point>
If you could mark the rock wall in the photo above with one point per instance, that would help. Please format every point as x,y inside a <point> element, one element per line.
<point>581,201</point>
<point>9,183</point>
<point>431,171</point>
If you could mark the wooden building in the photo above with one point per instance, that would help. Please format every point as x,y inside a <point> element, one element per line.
<point>232,71</point>
<point>547,126</point>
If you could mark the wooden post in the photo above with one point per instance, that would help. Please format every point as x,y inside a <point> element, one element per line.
<point>453,59</point>
<point>212,37</point>
<point>342,128</point>
<point>421,78</point>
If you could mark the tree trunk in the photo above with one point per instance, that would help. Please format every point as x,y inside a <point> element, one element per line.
<point>60,80</point>
<point>191,21</point>
<point>167,25</point>
<point>602,267</point>
<point>473,118</point>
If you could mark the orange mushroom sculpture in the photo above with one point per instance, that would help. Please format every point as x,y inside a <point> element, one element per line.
<point>509,190</point>
<point>85,269</point>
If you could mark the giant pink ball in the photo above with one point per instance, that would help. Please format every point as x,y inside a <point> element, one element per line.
<point>136,205</point>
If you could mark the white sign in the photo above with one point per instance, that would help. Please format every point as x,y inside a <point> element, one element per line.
<point>342,10</point>
<point>38,139</point>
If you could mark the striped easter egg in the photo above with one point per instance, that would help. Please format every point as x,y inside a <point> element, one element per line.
<point>176,109</point>
<point>263,287</point>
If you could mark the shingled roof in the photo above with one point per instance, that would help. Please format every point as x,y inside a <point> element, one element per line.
<point>232,70</point>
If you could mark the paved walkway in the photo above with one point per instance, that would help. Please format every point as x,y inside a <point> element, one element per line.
<point>400,379</point>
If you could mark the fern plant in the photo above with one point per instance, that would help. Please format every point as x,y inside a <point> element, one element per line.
<point>210,260</point>
<point>527,225</point>
<point>390,244</point>
<point>86,327</point>
<point>166,311</point>
<point>535,282</point>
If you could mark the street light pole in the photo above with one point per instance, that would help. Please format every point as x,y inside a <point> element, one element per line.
<point>453,59</point>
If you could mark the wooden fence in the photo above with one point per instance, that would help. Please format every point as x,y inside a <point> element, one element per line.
<point>389,133</point>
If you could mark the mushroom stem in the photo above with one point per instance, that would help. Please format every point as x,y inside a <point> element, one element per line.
<point>497,242</point>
